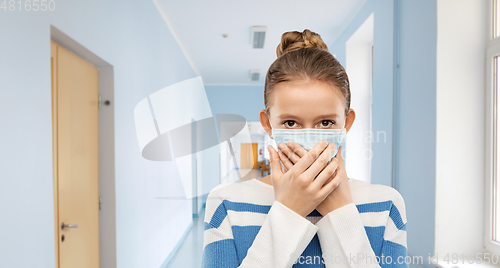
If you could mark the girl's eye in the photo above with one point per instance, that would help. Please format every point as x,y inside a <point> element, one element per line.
<point>289,123</point>
<point>327,123</point>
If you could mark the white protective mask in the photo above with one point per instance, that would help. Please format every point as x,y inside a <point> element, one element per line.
<point>309,137</point>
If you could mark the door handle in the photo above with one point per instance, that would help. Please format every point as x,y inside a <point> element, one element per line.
<point>68,226</point>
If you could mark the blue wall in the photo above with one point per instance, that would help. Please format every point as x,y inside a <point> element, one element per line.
<point>416,120</point>
<point>246,101</point>
<point>412,85</point>
<point>383,52</point>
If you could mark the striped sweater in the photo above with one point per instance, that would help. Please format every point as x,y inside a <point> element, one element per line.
<point>246,227</point>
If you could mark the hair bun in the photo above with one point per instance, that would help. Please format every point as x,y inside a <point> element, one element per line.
<point>291,41</point>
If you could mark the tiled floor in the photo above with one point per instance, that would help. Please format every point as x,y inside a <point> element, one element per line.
<point>190,252</point>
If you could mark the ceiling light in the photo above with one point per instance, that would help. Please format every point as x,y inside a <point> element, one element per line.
<point>258,36</point>
<point>254,75</point>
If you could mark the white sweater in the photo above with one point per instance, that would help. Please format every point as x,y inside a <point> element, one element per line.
<point>246,227</point>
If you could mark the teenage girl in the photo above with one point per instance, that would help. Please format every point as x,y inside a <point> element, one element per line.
<point>307,212</point>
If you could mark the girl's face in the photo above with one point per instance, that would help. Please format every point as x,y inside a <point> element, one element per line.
<point>306,104</point>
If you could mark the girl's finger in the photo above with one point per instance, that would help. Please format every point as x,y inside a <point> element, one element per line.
<point>309,159</point>
<point>339,155</point>
<point>331,177</point>
<point>293,158</point>
<point>284,169</point>
<point>320,163</point>
<point>297,149</point>
<point>330,186</point>
<point>275,166</point>
<point>284,159</point>
<point>340,159</point>
<point>327,174</point>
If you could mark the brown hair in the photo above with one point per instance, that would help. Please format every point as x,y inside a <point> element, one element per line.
<point>304,56</point>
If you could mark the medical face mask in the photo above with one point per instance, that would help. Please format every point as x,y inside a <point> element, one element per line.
<point>309,137</point>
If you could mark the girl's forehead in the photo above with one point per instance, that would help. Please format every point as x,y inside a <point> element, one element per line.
<point>307,97</point>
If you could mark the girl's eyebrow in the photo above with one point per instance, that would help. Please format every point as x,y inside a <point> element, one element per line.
<point>328,116</point>
<point>283,116</point>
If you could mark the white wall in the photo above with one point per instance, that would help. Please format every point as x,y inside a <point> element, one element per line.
<point>208,172</point>
<point>133,38</point>
<point>359,68</point>
<point>460,126</point>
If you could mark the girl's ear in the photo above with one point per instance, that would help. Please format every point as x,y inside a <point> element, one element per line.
<point>349,119</point>
<point>264,121</point>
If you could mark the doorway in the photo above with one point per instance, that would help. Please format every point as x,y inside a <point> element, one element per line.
<point>75,104</point>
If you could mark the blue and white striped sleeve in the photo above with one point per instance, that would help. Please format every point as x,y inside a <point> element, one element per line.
<point>347,242</point>
<point>219,249</point>
<point>281,239</point>
<point>394,243</point>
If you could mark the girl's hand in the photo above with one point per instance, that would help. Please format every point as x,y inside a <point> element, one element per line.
<point>303,187</point>
<point>293,152</point>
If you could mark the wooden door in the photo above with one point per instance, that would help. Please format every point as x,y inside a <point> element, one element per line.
<point>255,154</point>
<point>75,99</point>
<point>248,155</point>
